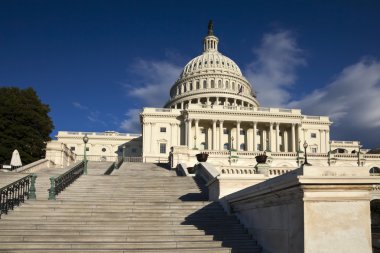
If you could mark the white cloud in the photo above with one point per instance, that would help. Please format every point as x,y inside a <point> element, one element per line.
<point>351,100</point>
<point>80,106</point>
<point>132,123</point>
<point>274,70</point>
<point>154,80</point>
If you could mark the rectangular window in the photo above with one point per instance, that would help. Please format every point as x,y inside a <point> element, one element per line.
<point>87,149</point>
<point>72,148</point>
<point>242,132</point>
<point>258,147</point>
<point>313,135</point>
<point>163,129</point>
<point>313,150</point>
<point>163,148</point>
<point>225,130</point>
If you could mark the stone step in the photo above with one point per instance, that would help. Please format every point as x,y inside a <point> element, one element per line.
<point>163,250</point>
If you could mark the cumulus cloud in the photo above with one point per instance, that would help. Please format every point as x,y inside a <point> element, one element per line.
<point>351,100</point>
<point>132,122</point>
<point>274,68</point>
<point>153,79</point>
<point>151,85</point>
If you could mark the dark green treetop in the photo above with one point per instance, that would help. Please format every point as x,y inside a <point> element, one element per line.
<point>24,124</point>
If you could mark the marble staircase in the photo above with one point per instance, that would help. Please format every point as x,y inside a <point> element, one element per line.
<point>138,208</point>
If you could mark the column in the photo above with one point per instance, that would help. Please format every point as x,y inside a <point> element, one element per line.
<point>254,136</point>
<point>277,137</point>
<point>299,139</point>
<point>238,135</point>
<point>186,132</point>
<point>235,102</point>
<point>190,135</point>
<point>196,135</point>
<point>293,138</point>
<point>182,105</point>
<point>271,137</point>
<point>151,136</point>
<point>264,139</point>
<point>214,135</point>
<point>321,141</point>
<point>220,135</point>
<point>327,139</point>
<point>171,141</point>
<point>285,140</point>
<point>178,127</point>
<point>217,101</point>
<point>145,143</point>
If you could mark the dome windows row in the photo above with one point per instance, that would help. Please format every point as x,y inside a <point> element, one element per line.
<point>185,87</point>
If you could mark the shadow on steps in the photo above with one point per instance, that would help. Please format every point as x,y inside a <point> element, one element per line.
<point>201,196</point>
<point>213,220</point>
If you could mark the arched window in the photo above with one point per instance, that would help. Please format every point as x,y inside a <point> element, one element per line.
<point>233,86</point>
<point>220,84</point>
<point>226,146</point>
<point>204,84</point>
<point>198,86</point>
<point>374,171</point>
<point>184,88</point>
<point>227,85</point>
<point>242,146</point>
<point>190,86</point>
<point>212,84</point>
<point>178,90</point>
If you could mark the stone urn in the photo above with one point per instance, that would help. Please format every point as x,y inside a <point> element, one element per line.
<point>202,157</point>
<point>261,158</point>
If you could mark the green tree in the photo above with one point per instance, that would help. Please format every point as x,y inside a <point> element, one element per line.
<point>24,124</point>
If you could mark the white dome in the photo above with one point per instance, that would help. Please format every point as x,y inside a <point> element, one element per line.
<point>211,61</point>
<point>212,78</point>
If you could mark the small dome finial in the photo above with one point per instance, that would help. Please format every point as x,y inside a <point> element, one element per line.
<point>210,28</point>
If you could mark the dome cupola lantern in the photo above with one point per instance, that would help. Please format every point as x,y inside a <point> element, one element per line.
<point>210,42</point>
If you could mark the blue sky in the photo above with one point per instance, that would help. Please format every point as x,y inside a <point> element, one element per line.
<point>97,63</point>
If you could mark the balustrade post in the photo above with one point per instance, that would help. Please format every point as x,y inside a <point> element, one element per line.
<point>32,189</point>
<point>52,189</point>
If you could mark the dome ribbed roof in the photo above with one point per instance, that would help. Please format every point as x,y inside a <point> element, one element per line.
<point>211,60</point>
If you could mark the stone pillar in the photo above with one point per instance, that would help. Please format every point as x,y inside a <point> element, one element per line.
<point>196,135</point>
<point>271,137</point>
<point>328,139</point>
<point>171,141</point>
<point>238,135</point>
<point>217,101</point>
<point>264,140</point>
<point>182,105</point>
<point>220,135</point>
<point>235,102</point>
<point>186,132</point>
<point>254,136</point>
<point>178,127</point>
<point>321,142</point>
<point>190,134</point>
<point>293,138</point>
<point>214,135</point>
<point>285,140</point>
<point>151,137</point>
<point>277,149</point>
<point>299,139</point>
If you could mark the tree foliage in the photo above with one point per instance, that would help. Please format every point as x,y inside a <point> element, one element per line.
<point>24,124</point>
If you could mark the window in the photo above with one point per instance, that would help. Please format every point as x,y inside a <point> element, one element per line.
<point>227,85</point>
<point>190,86</point>
<point>258,147</point>
<point>242,132</point>
<point>225,131</point>
<point>233,85</point>
<point>313,150</point>
<point>72,148</point>
<point>219,84</point>
<point>163,148</point>
<point>87,149</point>
<point>313,135</point>
<point>104,149</point>
<point>204,84</point>
<point>198,86</point>
<point>212,84</point>
<point>242,146</point>
<point>163,129</point>
<point>226,146</point>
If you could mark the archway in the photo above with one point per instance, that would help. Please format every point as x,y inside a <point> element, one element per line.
<point>374,171</point>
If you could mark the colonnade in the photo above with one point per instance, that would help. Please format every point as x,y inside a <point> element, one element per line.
<point>249,136</point>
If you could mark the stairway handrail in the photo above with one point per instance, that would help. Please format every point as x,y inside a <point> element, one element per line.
<point>15,193</point>
<point>58,184</point>
<point>110,169</point>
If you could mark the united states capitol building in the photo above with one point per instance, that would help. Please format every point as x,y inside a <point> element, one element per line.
<point>214,109</point>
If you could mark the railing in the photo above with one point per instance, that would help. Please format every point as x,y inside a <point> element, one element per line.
<point>110,169</point>
<point>231,170</point>
<point>133,159</point>
<point>15,193</point>
<point>61,182</point>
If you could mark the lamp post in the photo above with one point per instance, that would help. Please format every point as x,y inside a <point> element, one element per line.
<point>305,145</point>
<point>232,142</point>
<point>85,140</point>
